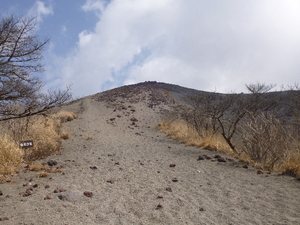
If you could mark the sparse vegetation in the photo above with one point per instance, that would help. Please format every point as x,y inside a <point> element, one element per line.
<point>259,128</point>
<point>43,130</point>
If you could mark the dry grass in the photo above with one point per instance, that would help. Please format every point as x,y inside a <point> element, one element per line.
<point>57,171</point>
<point>65,135</point>
<point>65,116</point>
<point>37,166</point>
<point>10,155</point>
<point>180,131</point>
<point>46,139</point>
<point>90,138</point>
<point>292,165</point>
<point>42,174</point>
<point>45,133</point>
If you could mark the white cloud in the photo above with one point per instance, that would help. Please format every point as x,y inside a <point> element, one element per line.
<point>40,10</point>
<point>206,45</point>
<point>94,5</point>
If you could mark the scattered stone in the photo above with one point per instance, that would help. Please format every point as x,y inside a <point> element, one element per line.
<point>30,180</point>
<point>158,171</point>
<point>51,162</point>
<point>200,158</point>
<point>112,119</point>
<point>69,196</point>
<point>245,166</point>
<point>117,163</point>
<point>160,196</point>
<point>93,167</point>
<point>159,206</point>
<point>175,180</point>
<point>206,157</point>
<point>59,190</point>
<point>172,165</point>
<point>260,172</point>
<point>201,210</point>
<point>1,193</point>
<point>35,185</point>
<point>169,189</point>
<point>88,194</point>
<point>47,186</point>
<point>110,181</point>
<point>48,197</point>
<point>3,218</point>
<point>28,192</point>
<point>133,119</point>
<point>221,159</point>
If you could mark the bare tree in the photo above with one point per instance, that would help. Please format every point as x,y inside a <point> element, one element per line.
<point>224,112</point>
<point>21,93</point>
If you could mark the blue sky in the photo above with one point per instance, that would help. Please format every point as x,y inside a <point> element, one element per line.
<point>207,45</point>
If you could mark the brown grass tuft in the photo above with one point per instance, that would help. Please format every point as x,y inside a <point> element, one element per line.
<point>65,135</point>
<point>10,155</point>
<point>57,171</point>
<point>36,167</point>
<point>42,174</point>
<point>65,116</point>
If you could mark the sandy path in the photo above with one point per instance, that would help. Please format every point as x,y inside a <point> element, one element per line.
<point>127,168</point>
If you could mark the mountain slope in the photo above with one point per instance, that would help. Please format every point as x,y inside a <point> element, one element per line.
<point>138,175</point>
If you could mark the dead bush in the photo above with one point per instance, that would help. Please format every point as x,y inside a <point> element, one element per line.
<point>265,139</point>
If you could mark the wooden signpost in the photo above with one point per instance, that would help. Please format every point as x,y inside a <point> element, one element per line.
<point>26,144</point>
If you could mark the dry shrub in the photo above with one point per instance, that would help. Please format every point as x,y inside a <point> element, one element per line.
<point>10,155</point>
<point>90,138</point>
<point>266,140</point>
<point>65,116</point>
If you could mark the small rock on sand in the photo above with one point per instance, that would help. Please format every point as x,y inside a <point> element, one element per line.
<point>3,218</point>
<point>70,196</point>
<point>88,194</point>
